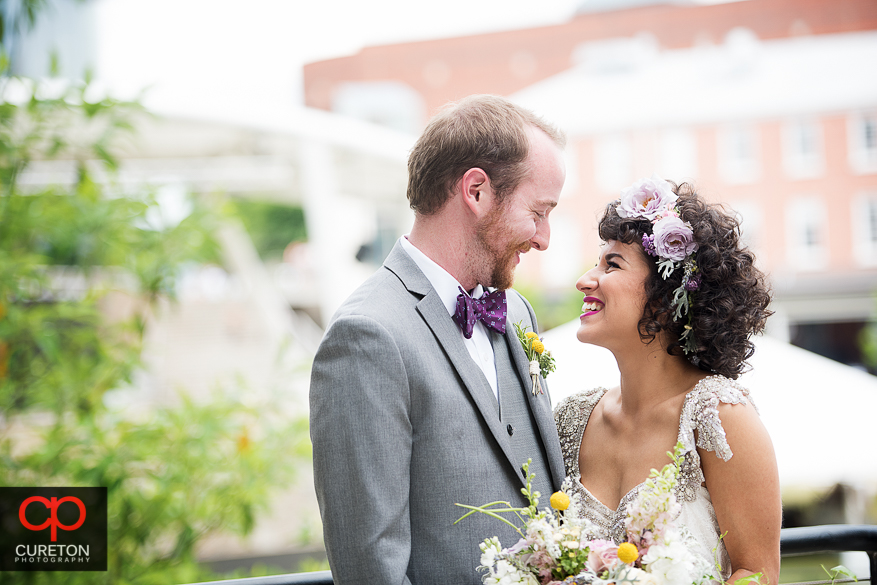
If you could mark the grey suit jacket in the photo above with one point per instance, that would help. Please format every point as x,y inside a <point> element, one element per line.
<point>404,425</point>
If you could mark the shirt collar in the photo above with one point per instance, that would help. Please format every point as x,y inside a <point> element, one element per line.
<point>441,280</point>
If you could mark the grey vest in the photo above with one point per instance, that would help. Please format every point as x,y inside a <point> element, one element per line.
<point>517,418</point>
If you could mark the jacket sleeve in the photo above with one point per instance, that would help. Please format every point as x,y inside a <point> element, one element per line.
<point>362,436</point>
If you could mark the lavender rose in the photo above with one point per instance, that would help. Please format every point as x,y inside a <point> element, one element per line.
<point>647,198</point>
<point>674,239</point>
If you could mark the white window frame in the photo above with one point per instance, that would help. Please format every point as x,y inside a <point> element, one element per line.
<point>677,153</point>
<point>805,213</point>
<point>734,168</point>
<point>797,162</point>
<point>862,156</point>
<point>751,217</point>
<point>864,228</point>
<point>613,161</point>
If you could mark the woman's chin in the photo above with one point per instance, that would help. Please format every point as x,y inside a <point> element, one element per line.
<point>584,335</point>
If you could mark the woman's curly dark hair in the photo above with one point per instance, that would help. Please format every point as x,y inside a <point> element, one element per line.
<point>730,303</point>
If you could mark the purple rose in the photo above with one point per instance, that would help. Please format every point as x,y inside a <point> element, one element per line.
<point>647,198</point>
<point>673,238</point>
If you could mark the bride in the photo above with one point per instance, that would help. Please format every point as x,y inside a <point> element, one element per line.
<point>675,297</point>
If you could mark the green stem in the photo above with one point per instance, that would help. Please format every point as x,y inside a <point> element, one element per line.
<point>492,514</point>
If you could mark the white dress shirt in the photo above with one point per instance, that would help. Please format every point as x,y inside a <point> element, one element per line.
<point>448,288</point>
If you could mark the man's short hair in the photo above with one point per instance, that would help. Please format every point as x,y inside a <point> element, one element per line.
<point>483,131</point>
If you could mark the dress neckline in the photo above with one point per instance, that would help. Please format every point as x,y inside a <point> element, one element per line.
<point>622,503</point>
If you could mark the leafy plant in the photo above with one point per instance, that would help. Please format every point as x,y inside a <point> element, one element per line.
<point>68,255</point>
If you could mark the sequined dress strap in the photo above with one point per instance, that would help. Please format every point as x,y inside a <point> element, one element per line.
<point>571,416</point>
<point>700,414</point>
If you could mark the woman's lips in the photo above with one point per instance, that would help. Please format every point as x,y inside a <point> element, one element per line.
<point>591,306</point>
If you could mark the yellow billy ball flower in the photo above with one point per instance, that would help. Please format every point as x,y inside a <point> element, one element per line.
<point>538,346</point>
<point>627,553</point>
<point>559,501</point>
<point>531,335</point>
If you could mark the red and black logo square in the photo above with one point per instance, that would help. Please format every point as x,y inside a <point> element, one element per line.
<point>53,529</point>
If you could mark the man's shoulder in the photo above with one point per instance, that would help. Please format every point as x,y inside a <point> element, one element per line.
<point>381,296</point>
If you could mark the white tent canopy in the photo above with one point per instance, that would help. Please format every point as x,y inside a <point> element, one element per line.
<point>820,414</point>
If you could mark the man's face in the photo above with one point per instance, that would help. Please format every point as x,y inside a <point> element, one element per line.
<point>520,222</point>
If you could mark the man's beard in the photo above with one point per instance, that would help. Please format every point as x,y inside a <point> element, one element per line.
<point>499,260</point>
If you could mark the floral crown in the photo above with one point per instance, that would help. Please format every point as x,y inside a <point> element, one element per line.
<point>671,242</point>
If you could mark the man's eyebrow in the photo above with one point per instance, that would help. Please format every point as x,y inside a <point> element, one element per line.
<point>546,203</point>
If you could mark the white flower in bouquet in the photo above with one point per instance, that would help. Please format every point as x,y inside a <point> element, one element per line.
<point>641,577</point>
<point>559,546</point>
<point>672,563</point>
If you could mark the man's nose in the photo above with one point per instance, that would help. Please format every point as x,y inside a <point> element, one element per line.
<point>540,239</point>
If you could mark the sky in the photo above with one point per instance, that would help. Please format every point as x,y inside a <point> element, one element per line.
<point>233,53</point>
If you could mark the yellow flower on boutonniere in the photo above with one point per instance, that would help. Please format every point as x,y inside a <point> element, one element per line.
<point>541,360</point>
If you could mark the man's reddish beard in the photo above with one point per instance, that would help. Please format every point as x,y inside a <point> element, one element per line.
<point>501,260</point>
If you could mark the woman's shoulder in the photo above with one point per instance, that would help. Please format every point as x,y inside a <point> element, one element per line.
<point>575,410</point>
<point>701,413</point>
<point>580,401</point>
<point>716,389</point>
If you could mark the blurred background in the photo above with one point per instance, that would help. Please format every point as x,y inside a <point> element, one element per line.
<point>192,187</point>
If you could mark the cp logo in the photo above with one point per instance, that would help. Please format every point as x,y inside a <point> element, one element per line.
<point>52,506</point>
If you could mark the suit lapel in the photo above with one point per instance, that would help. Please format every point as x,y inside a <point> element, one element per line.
<point>448,335</point>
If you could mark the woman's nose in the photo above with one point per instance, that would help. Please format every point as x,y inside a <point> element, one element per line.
<point>587,282</point>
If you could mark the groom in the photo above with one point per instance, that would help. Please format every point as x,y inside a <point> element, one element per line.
<point>420,392</point>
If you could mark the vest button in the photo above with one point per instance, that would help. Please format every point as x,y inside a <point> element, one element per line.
<point>511,430</point>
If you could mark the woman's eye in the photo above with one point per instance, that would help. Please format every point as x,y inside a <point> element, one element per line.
<point>612,264</point>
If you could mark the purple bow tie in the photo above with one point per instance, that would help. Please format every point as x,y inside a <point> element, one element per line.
<point>490,309</point>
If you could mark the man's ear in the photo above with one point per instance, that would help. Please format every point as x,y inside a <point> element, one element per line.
<point>477,191</point>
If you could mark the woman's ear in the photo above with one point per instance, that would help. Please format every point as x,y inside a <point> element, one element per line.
<point>476,190</point>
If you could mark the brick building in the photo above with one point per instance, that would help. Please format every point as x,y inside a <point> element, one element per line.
<point>767,105</point>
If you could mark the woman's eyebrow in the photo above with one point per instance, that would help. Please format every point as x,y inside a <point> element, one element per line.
<point>613,255</point>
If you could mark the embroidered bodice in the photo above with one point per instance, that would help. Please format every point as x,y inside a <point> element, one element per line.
<point>699,426</point>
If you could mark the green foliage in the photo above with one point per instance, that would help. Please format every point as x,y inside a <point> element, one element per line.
<point>272,226</point>
<point>839,571</point>
<point>552,307</point>
<point>68,255</point>
<point>868,344</point>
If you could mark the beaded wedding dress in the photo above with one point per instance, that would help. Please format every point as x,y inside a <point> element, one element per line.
<point>700,415</point>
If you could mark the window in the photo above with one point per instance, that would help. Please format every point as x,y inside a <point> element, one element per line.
<point>806,233</point>
<point>750,216</point>
<point>802,149</point>
<point>738,154</point>
<point>613,164</point>
<point>387,103</point>
<point>678,154</point>
<point>862,130</point>
<point>864,233</point>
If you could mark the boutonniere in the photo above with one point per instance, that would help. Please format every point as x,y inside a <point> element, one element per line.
<point>541,360</point>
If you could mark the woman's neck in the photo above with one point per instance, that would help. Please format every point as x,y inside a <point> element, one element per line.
<point>650,376</point>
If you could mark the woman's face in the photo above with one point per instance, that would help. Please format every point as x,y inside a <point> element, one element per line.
<point>614,296</point>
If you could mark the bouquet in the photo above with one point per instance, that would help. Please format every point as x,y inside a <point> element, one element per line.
<point>557,546</point>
